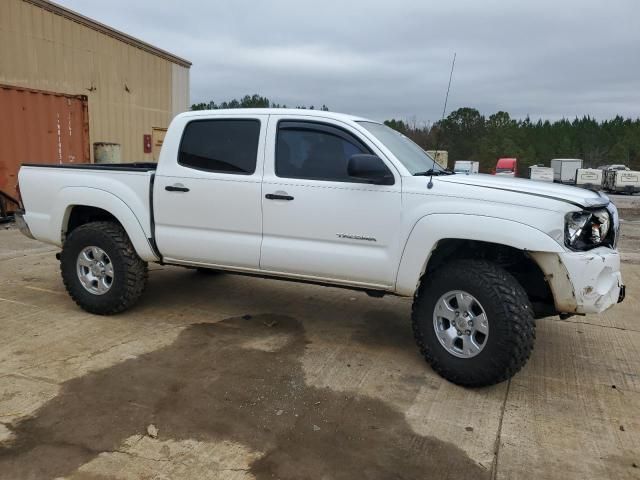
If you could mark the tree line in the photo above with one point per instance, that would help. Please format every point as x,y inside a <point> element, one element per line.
<point>468,135</point>
<point>249,101</point>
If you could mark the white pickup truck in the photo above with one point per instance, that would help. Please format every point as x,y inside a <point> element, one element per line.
<point>337,200</point>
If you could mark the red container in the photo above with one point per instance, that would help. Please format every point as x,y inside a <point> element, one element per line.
<point>40,127</point>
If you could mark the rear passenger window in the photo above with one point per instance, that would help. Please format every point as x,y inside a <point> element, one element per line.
<point>225,146</point>
<point>315,151</point>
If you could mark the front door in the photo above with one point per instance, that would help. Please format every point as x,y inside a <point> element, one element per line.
<point>207,204</point>
<point>319,223</point>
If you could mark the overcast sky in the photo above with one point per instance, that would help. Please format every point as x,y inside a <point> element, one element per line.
<point>384,59</point>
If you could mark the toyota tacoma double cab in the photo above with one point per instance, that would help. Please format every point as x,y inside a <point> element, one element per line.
<point>337,200</point>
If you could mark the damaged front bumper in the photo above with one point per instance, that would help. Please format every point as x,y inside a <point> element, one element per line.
<point>583,282</point>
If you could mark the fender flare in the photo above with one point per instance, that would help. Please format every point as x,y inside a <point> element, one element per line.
<point>70,197</point>
<point>431,229</point>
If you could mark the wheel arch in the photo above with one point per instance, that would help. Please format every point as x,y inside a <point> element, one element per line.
<point>80,205</point>
<point>439,238</point>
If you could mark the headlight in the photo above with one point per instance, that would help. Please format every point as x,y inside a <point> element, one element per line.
<point>587,229</point>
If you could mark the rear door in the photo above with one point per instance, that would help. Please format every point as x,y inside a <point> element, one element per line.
<point>207,201</point>
<point>317,221</point>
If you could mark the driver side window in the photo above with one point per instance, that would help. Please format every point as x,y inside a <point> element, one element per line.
<point>315,151</point>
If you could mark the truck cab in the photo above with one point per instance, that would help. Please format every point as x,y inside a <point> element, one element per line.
<point>507,167</point>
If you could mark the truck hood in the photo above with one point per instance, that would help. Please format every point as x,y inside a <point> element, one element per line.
<point>576,196</point>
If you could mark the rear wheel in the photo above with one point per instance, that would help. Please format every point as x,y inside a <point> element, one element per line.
<point>100,268</point>
<point>473,323</point>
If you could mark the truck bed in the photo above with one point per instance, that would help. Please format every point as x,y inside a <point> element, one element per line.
<point>49,193</point>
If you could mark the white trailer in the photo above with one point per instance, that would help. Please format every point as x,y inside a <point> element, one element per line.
<point>466,166</point>
<point>564,169</point>
<point>590,178</point>
<point>540,173</point>
<point>624,181</point>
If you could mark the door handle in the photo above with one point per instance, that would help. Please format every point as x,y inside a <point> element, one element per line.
<point>277,196</point>
<point>176,188</point>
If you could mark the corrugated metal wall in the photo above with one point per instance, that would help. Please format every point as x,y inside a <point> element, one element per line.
<point>129,90</point>
<point>180,89</point>
<point>40,127</point>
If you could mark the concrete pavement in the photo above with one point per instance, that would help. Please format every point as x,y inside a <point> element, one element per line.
<point>253,378</point>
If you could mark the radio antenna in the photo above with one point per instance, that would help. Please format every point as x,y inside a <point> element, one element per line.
<point>444,110</point>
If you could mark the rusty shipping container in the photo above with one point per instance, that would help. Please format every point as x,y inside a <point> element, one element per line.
<point>40,127</point>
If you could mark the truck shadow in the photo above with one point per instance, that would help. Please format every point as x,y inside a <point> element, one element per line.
<point>220,382</point>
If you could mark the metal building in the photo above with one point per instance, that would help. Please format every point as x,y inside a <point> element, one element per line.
<point>72,88</point>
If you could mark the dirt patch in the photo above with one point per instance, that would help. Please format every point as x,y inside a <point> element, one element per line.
<point>208,385</point>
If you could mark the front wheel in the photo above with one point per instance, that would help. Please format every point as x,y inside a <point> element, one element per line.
<point>473,323</point>
<point>100,268</point>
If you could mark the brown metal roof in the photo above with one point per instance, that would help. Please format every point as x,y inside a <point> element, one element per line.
<point>105,29</point>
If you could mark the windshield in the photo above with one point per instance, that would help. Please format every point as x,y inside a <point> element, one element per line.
<point>414,158</point>
<point>504,170</point>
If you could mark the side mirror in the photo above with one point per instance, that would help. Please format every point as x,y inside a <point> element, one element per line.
<point>369,168</point>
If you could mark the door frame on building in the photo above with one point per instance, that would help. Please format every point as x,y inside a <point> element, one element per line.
<point>157,139</point>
